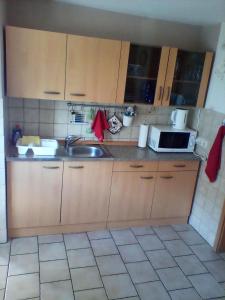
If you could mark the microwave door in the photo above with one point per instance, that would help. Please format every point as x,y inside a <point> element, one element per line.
<point>174,140</point>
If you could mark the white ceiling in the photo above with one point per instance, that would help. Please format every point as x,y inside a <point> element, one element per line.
<point>196,12</point>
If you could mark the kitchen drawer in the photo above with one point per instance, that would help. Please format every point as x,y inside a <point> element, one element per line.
<point>178,165</point>
<point>135,166</point>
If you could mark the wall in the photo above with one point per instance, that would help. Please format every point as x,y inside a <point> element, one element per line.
<point>3,230</point>
<point>62,17</point>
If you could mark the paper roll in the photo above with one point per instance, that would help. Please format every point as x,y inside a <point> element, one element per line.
<point>143,135</point>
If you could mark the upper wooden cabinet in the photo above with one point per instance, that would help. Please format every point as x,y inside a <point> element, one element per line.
<point>167,76</point>
<point>92,69</point>
<point>35,63</point>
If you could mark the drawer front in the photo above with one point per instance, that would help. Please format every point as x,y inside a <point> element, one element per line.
<point>179,165</point>
<point>135,166</point>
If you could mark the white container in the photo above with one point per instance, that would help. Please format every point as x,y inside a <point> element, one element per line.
<point>143,135</point>
<point>22,150</point>
<point>127,120</point>
<point>47,147</point>
<point>179,118</point>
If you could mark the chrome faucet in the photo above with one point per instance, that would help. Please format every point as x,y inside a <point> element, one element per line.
<point>70,139</point>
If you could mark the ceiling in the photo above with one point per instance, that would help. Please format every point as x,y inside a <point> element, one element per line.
<point>196,12</point>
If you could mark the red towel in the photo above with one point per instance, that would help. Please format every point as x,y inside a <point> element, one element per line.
<point>214,159</point>
<point>99,125</point>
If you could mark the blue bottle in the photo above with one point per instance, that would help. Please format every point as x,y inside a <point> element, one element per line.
<point>16,134</point>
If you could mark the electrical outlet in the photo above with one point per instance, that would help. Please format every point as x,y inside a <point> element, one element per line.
<point>202,142</point>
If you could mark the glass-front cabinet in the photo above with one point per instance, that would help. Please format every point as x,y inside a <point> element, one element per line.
<point>167,76</point>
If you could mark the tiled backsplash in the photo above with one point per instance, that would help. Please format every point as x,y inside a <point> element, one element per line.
<point>52,119</point>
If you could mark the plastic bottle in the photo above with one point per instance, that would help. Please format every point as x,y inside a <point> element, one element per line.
<point>16,134</point>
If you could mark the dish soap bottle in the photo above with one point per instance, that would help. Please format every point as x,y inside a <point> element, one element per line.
<point>16,134</point>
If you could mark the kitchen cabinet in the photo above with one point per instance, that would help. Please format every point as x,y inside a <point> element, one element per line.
<point>35,63</point>
<point>86,190</point>
<point>34,193</point>
<point>131,195</point>
<point>167,76</point>
<point>92,69</point>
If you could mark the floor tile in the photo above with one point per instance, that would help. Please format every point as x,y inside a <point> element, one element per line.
<point>123,237</point>
<point>204,252</point>
<point>119,286</point>
<point>166,233</point>
<point>24,245</point>
<point>52,251</point>
<point>152,291</point>
<point>22,287</point>
<point>141,272</point>
<point>217,269</point>
<point>52,238</point>
<point>206,286</point>
<point>3,276</point>
<point>110,265</point>
<point>187,294</point>
<point>150,242</point>
<point>4,254</point>
<point>142,230</point>
<point>161,259</point>
<point>182,227</point>
<point>222,255</point>
<point>22,264</point>
<point>100,234</point>
<point>190,265</point>
<point>191,238</point>
<point>55,270</point>
<point>86,278</point>
<point>104,247</point>
<point>177,248</point>
<point>60,290</point>
<point>132,253</point>
<point>173,278</point>
<point>81,258</point>
<point>2,292</point>
<point>96,294</point>
<point>76,241</point>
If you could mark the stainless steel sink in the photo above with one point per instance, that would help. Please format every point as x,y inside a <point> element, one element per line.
<point>87,151</point>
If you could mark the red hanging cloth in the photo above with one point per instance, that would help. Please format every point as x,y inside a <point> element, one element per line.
<point>99,125</point>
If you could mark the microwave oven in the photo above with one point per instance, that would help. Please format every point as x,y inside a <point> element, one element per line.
<point>168,139</point>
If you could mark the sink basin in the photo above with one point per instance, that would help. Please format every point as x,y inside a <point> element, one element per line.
<point>87,151</point>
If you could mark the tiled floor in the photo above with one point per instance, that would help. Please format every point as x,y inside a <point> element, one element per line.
<point>157,263</point>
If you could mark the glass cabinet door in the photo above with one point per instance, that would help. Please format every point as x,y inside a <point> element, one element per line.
<point>142,74</point>
<point>187,78</point>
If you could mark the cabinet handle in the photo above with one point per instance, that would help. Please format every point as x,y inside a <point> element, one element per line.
<point>76,167</point>
<point>78,94</point>
<point>136,166</point>
<point>52,92</point>
<point>146,177</point>
<point>179,166</point>
<point>166,177</point>
<point>168,93</point>
<point>50,168</point>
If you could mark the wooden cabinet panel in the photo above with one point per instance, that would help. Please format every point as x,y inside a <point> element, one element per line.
<point>134,166</point>
<point>92,69</point>
<point>86,191</point>
<point>173,194</point>
<point>131,195</point>
<point>34,193</point>
<point>36,62</point>
<point>179,165</point>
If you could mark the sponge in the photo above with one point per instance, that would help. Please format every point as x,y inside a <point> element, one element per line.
<point>29,139</point>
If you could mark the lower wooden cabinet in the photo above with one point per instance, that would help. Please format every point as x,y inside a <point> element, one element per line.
<point>86,191</point>
<point>131,195</point>
<point>173,194</point>
<point>34,193</point>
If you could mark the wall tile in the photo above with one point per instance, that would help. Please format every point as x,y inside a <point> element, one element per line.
<point>47,104</point>
<point>61,116</point>
<point>15,114</point>
<point>31,115</point>
<point>15,102</point>
<point>61,105</point>
<point>60,130</point>
<point>46,130</point>
<point>31,103</point>
<point>31,129</point>
<point>74,129</point>
<point>46,116</point>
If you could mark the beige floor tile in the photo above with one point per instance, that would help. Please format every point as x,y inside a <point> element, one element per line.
<point>3,276</point>
<point>76,241</point>
<point>81,258</point>
<point>24,245</point>
<point>110,264</point>
<point>55,270</point>
<point>52,251</point>
<point>60,290</point>
<point>52,238</point>
<point>22,264</point>
<point>4,254</point>
<point>95,294</point>
<point>86,278</point>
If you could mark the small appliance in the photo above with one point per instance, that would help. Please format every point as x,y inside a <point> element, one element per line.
<point>168,139</point>
<point>179,118</point>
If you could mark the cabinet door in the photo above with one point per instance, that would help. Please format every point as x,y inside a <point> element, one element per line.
<point>92,69</point>
<point>173,194</point>
<point>34,193</point>
<point>146,74</point>
<point>35,63</point>
<point>86,190</point>
<point>187,78</point>
<point>131,195</point>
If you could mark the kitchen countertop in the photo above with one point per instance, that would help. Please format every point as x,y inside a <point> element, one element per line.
<point>118,153</point>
